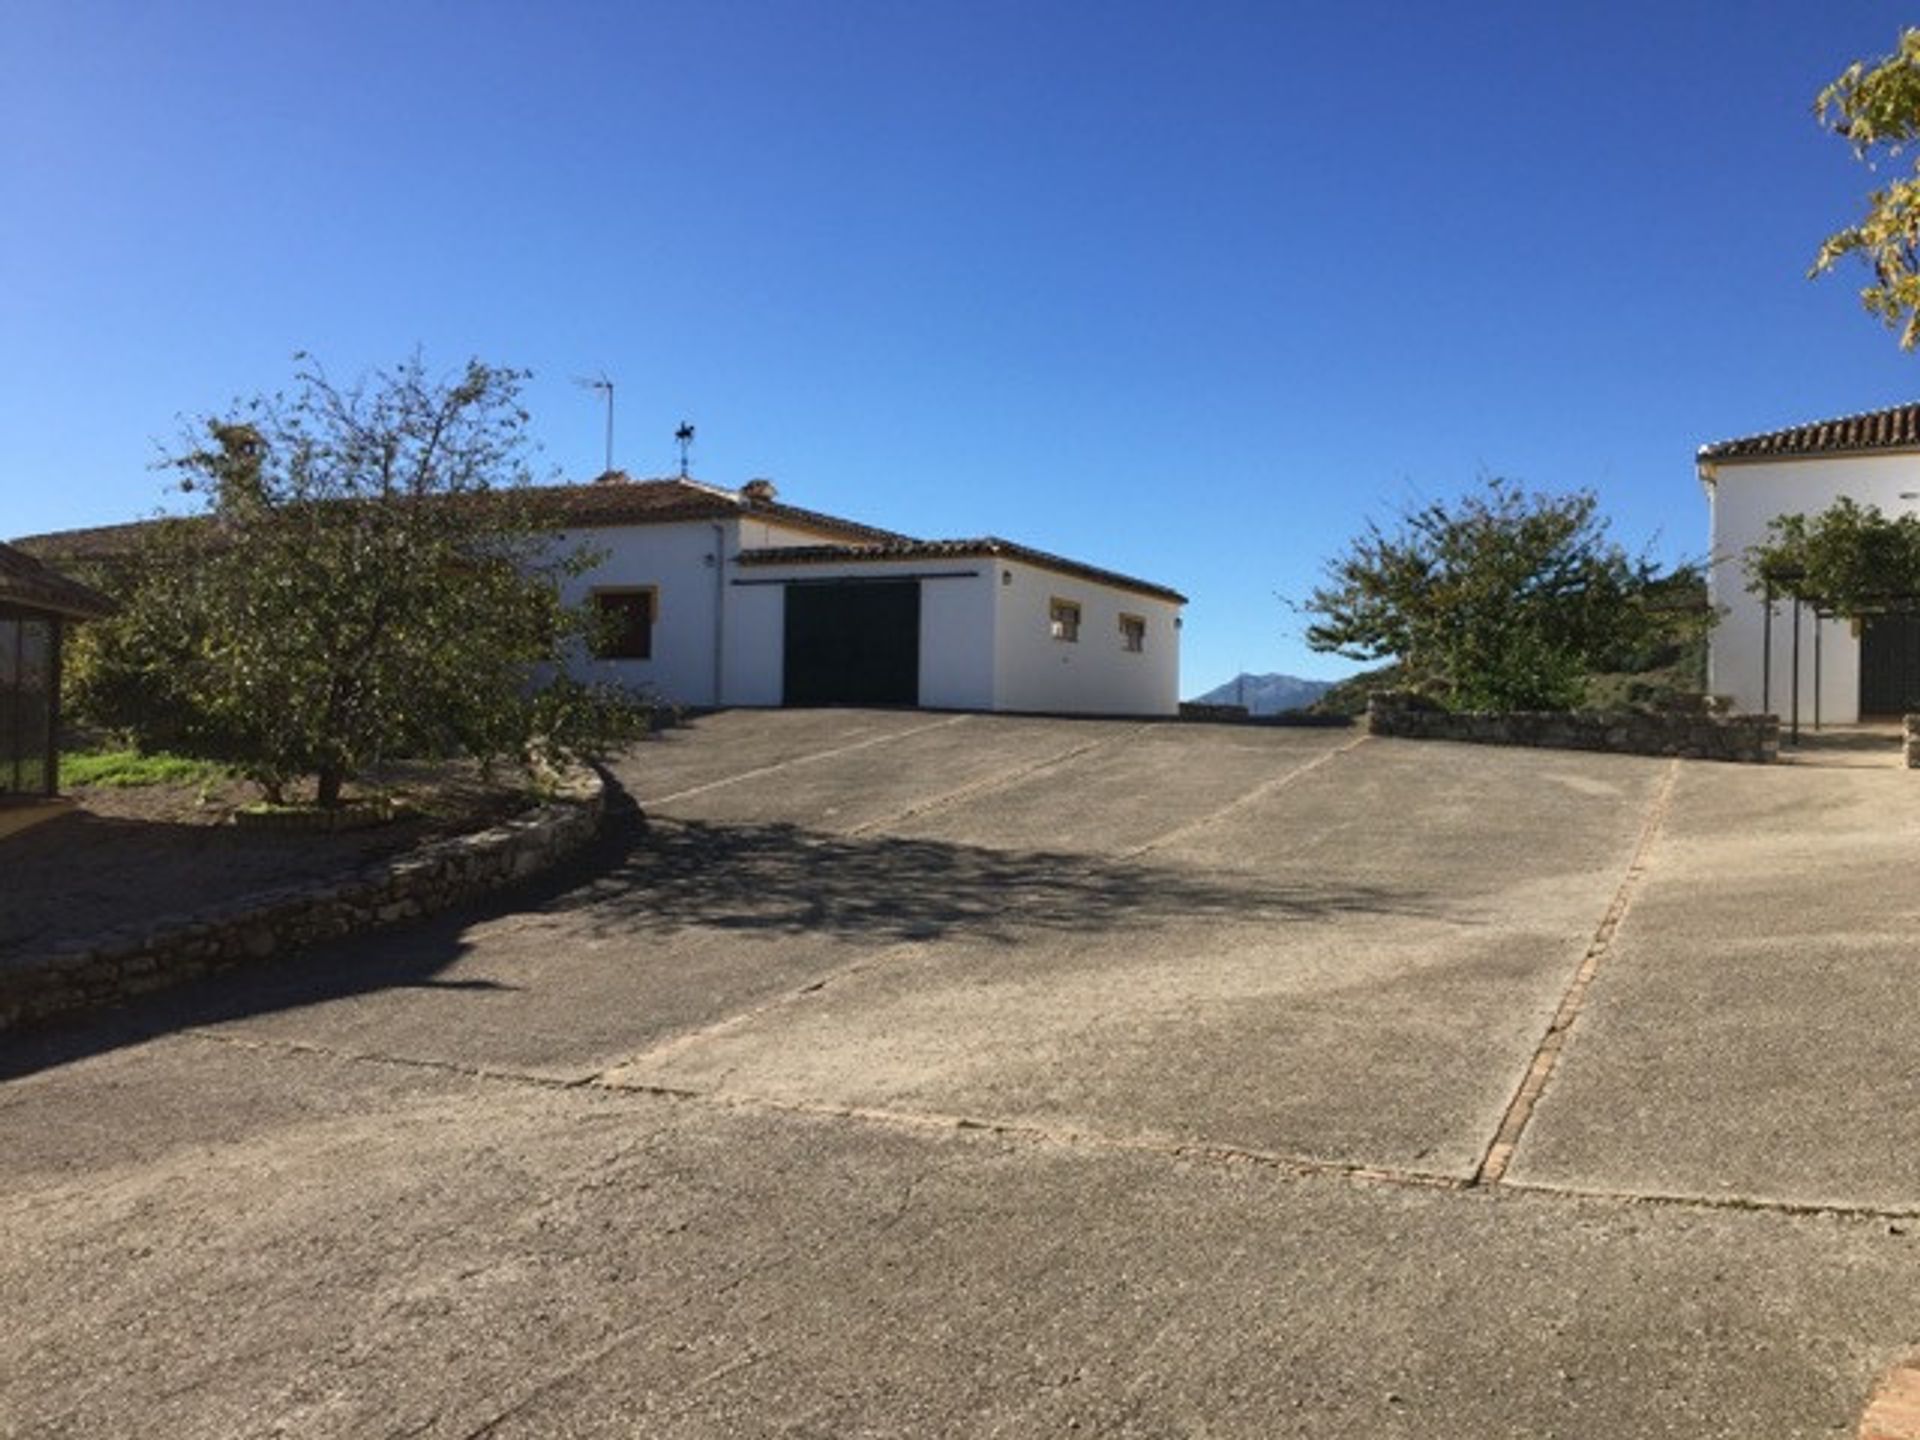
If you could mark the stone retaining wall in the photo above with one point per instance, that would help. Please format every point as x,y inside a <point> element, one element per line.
<point>172,948</point>
<point>1196,710</point>
<point>1194,713</point>
<point>1751,739</point>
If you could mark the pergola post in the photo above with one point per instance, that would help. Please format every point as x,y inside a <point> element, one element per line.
<point>1796,670</point>
<point>1816,669</point>
<point>1766,655</point>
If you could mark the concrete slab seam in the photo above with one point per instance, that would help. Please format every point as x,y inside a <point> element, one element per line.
<point>1220,1152</point>
<point>1519,1113</point>
<point>371,1057</point>
<point>1212,1152</point>
<point>674,1044</point>
<point>1002,780</point>
<point>1239,802</point>
<point>1683,1200</point>
<point>808,759</point>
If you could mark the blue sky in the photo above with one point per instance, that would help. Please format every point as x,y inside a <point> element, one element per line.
<point>1186,290</point>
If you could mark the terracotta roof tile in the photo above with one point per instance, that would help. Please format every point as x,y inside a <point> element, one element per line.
<point>1897,428</point>
<point>611,500</point>
<point>25,581</point>
<point>102,542</point>
<point>953,549</point>
<point>614,499</point>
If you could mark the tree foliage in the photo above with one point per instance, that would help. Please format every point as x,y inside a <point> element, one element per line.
<point>365,581</point>
<point>1876,108</point>
<point>1502,599</point>
<point>1850,558</point>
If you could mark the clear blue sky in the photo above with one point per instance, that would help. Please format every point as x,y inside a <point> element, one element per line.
<point>1187,290</point>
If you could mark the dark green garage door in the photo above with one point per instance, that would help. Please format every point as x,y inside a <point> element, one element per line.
<point>853,644</point>
<point>1890,665</point>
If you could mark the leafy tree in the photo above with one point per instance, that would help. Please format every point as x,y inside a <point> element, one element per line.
<point>367,580</point>
<point>1850,557</point>
<point>1503,599</point>
<point>1877,109</point>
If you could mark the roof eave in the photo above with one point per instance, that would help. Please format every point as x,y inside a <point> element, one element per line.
<point>903,554</point>
<point>1710,455</point>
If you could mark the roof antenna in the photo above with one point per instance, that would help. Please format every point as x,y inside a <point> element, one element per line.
<point>605,385</point>
<point>685,436</point>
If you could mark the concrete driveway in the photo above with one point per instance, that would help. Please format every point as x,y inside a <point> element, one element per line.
<point>908,1074</point>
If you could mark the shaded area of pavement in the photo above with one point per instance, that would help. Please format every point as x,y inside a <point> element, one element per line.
<point>699,1138</point>
<point>784,878</point>
<point>110,856</point>
<point>409,957</point>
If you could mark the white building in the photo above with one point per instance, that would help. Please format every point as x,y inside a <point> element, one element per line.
<point>1873,459</point>
<point>728,597</point>
<point>723,597</point>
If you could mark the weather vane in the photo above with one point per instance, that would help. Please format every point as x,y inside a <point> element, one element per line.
<point>685,436</point>
<point>605,386</point>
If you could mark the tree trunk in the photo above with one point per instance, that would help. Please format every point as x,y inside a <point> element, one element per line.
<point>330,778</point>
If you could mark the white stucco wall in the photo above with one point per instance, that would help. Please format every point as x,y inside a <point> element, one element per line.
<point>1742,497</point>
<point>1094,675</point>
<point>956,628</point>
<point>677,560</point>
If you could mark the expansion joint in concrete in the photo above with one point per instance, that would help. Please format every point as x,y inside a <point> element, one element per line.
<point>810,758</point>
<point>367,1057</point>
<point>1519,1113</point>
<point>1004,779</point>
<point>611,1083</point>
<point>1253,796</point>
<point>739,1019</point>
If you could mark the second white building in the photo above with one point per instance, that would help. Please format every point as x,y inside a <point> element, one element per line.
<point>1779,657</point>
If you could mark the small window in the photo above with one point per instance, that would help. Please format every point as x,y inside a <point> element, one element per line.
<point>1064,616</point>
<point>1133,633</point>
<point>626,624</point>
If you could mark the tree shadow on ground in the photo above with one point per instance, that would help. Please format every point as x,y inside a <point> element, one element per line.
<point>653,878</point>
<point>786,879</point>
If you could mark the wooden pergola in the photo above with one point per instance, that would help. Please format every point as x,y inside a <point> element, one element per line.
<point>36,605</point>
<point>1791,585</point>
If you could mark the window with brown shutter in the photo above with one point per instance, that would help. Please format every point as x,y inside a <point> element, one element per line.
<point>626,623</point>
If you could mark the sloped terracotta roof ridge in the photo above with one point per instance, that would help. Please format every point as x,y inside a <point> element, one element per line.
<point>25,581</point>
<point>1894,428</point>
<point>618,501</point>
<point>905,549</point>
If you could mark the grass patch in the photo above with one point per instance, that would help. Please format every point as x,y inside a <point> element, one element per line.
<point>130,767</point>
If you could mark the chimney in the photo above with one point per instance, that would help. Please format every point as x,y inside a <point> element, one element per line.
<point>612,477</point>
<point>758,492</point>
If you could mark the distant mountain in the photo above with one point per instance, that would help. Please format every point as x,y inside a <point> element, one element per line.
<point>1266,694</point>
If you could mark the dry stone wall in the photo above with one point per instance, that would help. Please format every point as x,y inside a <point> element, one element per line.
<point>1199,710</point>
<point>173,948</point>
<point>1750,739</point>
